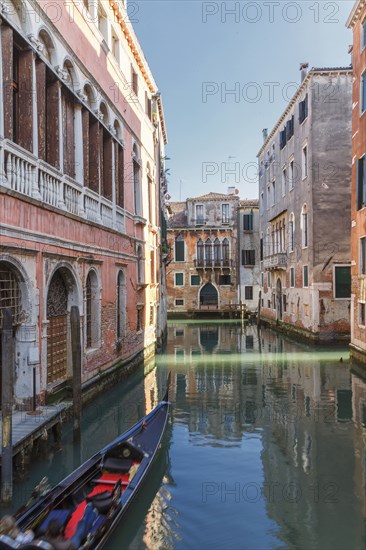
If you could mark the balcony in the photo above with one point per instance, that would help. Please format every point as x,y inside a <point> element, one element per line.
<point>276,261</point>
<point>34,178</point>
<point>213,264</point>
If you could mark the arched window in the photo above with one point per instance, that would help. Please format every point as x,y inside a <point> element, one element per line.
<point>48,47</point>
<point>140,266</point>
<point>92,310</point>
<point>200,252</point>
<point>90,97</point>
<point>104,112</point>
<point>121,305</point>
<point>119,165</point>
<point>291,233</point>
<point>225,252</point>
<point>304,226</point>
<point>68,120</point>
<point>217,255</point>
<point>208,252</point>
<point>136,181</point>
<point>151,195</point>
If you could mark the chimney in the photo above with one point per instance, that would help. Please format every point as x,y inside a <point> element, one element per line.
<point>231,190</point>
<point>304,70</point>
<point>265,134</point>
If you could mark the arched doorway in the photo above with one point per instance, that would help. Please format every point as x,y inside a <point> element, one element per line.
<point>10,298</point>
<point>279,299</point>
<point>209,297</point>
<point>57,329</point>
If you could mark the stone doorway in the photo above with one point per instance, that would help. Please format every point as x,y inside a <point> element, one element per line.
<point>209,297</point>
<point>279,299</point>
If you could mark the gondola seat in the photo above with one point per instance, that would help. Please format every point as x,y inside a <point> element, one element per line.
<point>62,516</point>
<point>113,464</point>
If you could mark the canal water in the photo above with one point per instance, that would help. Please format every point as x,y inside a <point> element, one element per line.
<point>265,448</point>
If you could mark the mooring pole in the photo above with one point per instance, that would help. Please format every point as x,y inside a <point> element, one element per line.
<point>7,366</point>
<point>76,368</point>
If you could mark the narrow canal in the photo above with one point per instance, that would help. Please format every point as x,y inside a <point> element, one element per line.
<point>266,448</point>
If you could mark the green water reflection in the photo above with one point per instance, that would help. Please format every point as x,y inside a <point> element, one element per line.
<point>265,448</point>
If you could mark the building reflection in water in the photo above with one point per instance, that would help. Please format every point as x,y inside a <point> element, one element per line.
<point>308,408</point>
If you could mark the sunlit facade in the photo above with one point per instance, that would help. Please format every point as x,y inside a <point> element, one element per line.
<point>82,190</point>
<point>357,22</point>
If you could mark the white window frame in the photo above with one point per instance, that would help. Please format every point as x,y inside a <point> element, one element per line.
<point>304,161</point>
<point>184,279</point>
<point>291,179</point>
<point>196,206</point>
<point>334,281</point>
<point>361,303</point>
<point>292,270</point>
<point>227,218</point>
<point>303,276</point>
<point>190,280</point>
<point>179,305</point>
<point>284,180</point>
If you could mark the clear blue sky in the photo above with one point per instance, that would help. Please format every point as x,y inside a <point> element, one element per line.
<point>189,44</point>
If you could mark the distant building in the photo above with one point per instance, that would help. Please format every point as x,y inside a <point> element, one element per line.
<point>305,209</point>
<point>202,238</point>
<point>249,253</point>
<point>356,22</point>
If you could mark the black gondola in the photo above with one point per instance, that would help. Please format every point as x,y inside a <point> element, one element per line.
<point>109,481</point>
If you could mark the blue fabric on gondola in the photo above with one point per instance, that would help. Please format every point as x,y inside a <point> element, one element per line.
<point>98,523</point>
<point>62,517</point>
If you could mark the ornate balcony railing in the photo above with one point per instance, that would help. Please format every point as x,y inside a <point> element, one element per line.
<point>34,178</point>
<point>213,263</point>
<point>276,261</point>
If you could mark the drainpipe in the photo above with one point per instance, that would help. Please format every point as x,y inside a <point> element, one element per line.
<point>238,232</point>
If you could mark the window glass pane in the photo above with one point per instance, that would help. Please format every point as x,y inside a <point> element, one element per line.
<point>342,282</point>
<point>179,251</point>
<point>179,279</point>
<point>195,280</point>
<point>306,276</point>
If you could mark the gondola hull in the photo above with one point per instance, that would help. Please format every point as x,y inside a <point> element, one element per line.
<point>110,480</point>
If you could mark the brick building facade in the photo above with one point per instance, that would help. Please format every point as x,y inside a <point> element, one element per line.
<point>304,180</point>
<point>82,138</point>
<point>357,22</point>
<point>202,238</point>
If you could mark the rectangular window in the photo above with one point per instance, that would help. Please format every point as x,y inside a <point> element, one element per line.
<point>199,214</point>
<point>139,323</point>
<point>362,314</point>
<point>225,280</point>
<point>292,174</point>
<point>248,293</point>
<point>151,314</point>
<point>290,128</point>
<point>268,279</point>
<point>262,279</point>
<point>248,257</point>
<point>292,277</point>
<point>179,279</point>
<point>134,81</point>
<point>269,304</point>
<point>179,302</point>
<point>179,250</point>
<point>273,193</point>
<point>361,183</point>
<point>305,162</point>
<point>195,280</point>
<point>268,196</point>
<point>261,249</point>
<point>363,92</point>
<point>363,256</point>
<point>284,181</point>
<point>342,283</point>
<point>225,213</point>
<point>283,138</point>
<point>305,276</point>
<point>248,221</point>
<point>303,109</point>
<point>284,303</point>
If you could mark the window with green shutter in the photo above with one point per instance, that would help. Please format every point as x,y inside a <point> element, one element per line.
<point>179,279</point>
<point>195,280</point>
<point>306,276</point>
<point>342,275</point>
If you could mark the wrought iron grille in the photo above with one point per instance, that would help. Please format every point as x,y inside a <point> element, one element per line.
<point>10,295</point>
<point>57,297</point>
